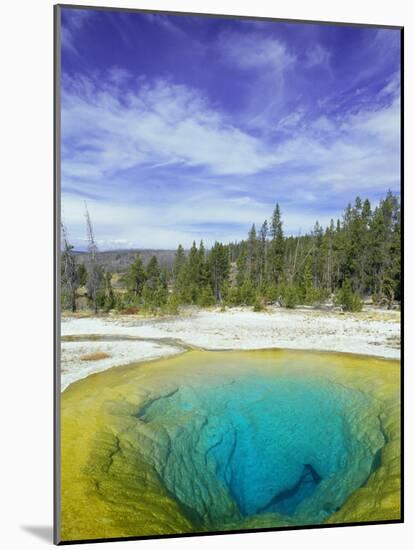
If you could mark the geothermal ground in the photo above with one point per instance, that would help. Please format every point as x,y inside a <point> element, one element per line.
<point>93,344</point>
<point>188,430</point>
<point>231,440</point>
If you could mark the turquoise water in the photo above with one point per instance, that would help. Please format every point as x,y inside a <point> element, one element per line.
<point>295,447</point>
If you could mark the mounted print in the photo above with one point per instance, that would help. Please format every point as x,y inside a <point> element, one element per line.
<point>228,274</point>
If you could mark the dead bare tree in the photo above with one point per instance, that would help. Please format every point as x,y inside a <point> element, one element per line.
<point>95,271</point>
<point>69,272</point>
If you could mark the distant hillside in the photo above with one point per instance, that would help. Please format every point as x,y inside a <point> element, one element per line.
<point>118,261</point>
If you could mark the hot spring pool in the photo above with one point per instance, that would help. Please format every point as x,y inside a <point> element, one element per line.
<point>286,445</point>
<point>231,440</point>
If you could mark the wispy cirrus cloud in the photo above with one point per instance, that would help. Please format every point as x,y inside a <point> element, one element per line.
<point>266,62</point>
<point>167,124</point>
<point>156,123</point>
<point>71,27</point>
<point>162,126</point>
<point>255,51</point>
<point>152,140</point>
<point>318,56</point>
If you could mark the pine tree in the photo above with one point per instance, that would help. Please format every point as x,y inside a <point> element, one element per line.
<point>193,274</point>
<point>386,249</point>
<point>277,247</point>
<point>136,277</point>
<point>153,273</point>
<point>327,258</point>
<point>356,255</point>
<point>179,262</point>
<point>307,289</point>
<point>82,274</point>
<point>219,269</point>
<point>109,299</point>
<point>253,256</point>
<point>317,254</point>
<point>180,279</point>
<point>242,264</point>
<point>203,270</point>
<point>264,230</point>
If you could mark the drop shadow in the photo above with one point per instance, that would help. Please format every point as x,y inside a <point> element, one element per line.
<point>43,532</point>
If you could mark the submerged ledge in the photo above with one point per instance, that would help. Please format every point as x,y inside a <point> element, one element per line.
<point>112,434</point>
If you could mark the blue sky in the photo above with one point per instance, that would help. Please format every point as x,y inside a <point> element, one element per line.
<point>177,128</point>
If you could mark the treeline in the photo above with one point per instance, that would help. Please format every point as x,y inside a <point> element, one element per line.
<point>355,257</point>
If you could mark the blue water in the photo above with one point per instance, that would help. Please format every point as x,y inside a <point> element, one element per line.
<point>251,446</point>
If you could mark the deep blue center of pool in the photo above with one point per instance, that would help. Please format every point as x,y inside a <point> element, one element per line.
<point>286,446</point>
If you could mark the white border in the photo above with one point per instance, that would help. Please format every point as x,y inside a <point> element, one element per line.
<point>27,269</point>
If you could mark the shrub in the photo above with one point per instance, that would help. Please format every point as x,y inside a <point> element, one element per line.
<point>206,297</point>
<point>247,293</point>
<point>347,299</point>
<point>64,299</point>
<point>119,301</point>
<point>232,296</point>
<point>272,292</point>
<point>259,303</point>
<point>289,296</point>
<point>130,310</point>
<point>172,305</point>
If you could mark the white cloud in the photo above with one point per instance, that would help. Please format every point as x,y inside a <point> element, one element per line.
<point>360,152</point>
<point>74,21</point>
<point>269,61</point>
<point>392,87</point>
<point>323,124</point>
<point>382,125</point>
<point>164,124</point>
<point>318,56</point>
<point>255,51</point>
<point>292,120</point>
<point>118,75</point>
<point>164,21</point>
<point>159,123</point>
<point>123,225</point>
